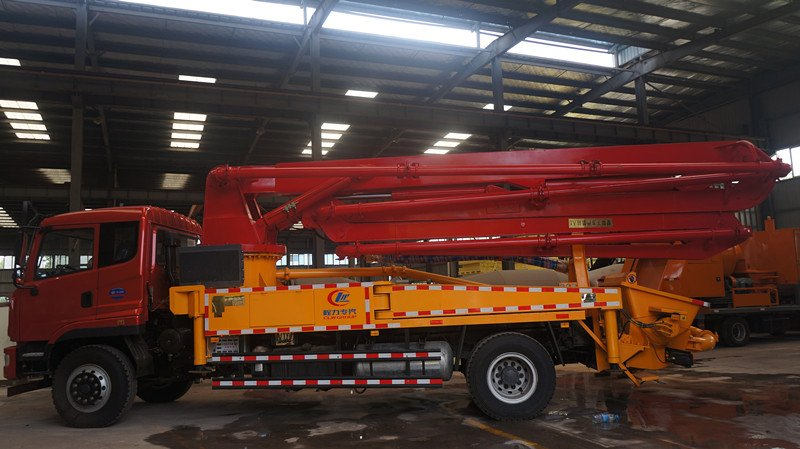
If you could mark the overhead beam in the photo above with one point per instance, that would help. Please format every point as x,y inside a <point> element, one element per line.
<point>154,94</point>
<point>177,197</point>
<point>664,58</point>
<point>501,45</point>
<point>225,21</point>
<point>314,24</point>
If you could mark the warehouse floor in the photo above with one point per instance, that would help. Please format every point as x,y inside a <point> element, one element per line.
<point>747,397</point>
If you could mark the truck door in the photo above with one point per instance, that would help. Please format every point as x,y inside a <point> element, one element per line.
<point>120,270</point>
<point>61,283</point>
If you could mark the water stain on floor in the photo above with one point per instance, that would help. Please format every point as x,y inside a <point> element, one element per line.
<point>687,409</point>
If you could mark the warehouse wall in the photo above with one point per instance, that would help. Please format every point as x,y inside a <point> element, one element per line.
<point>782,113</point>
<point>772,112</point>
<point>784,205</point>
<point>733,118</point>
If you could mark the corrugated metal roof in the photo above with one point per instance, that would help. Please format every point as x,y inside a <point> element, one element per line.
<point>131,42</point>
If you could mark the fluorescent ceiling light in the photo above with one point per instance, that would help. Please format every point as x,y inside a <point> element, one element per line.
<point>29,126</point>
<point>187,126</point>
<point>191,145</point>
<point>197,79</point>
<point>335,126</point>
<point>190,117</point>
<point>437,151</point>
<point>361,93</point>
<point>308,151</point>
<point>6,221</point>
<point>491,106</point>
<point>55,175</point>
<point>187,136</point>
<point>250,9</point>
<point>446,143</point>
<point>457,136</point>
<point>12,104</point>
<point>24,116</point>
<point>9,61</point>
<point>174,180</point>
<point>33,136</point>
<point>324,144</point>
<point>332,136</point>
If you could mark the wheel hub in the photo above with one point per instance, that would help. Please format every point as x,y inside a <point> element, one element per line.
<point>512,377</point>
<point>88,388</point>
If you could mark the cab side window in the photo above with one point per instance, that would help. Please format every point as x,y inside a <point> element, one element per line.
<point>118,242</point>
<point>65,251</point>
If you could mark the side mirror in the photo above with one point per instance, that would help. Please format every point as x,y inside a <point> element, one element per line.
<point>16,277</point>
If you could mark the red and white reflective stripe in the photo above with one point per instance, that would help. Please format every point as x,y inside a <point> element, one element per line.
<point>496,288</point>
<point>330,356</point>
<point>275,288</point>
<point>697,302</point>
<point>524,308</point>
<point>366,305</point>
<point>277,330</point>
<point>322,382</point>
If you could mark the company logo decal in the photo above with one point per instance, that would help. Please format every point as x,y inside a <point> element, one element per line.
<point>339,298</point>
<point>117,293</point>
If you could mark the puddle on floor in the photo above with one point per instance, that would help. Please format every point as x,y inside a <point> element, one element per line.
<point>689,409</point>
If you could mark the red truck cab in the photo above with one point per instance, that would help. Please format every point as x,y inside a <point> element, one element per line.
<point>94,277</point>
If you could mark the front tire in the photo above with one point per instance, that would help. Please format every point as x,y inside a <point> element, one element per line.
<point>161,392</point>
<point>734,332</point>
<point>94,386</point>
<point>511,376</point>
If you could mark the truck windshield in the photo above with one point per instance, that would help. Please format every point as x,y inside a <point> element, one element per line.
<point>65,251</point>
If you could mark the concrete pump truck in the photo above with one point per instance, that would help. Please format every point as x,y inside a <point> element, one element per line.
<point>120,302</point>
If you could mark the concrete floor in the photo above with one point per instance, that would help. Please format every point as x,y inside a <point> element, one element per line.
<point>739,398</point>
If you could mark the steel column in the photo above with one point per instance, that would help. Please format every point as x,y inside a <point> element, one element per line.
<point>641,101</point>
<point>76,155</point>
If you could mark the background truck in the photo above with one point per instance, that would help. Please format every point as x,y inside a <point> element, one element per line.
<point>122,302</point>
<point>752,286</point>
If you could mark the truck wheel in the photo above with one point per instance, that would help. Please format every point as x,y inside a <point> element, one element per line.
<point>94,386</point>
<point>734,332</point>
<point>159,392</point>
<point>510,376</point>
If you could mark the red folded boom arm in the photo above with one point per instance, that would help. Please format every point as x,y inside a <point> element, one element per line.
<point>654,201</point>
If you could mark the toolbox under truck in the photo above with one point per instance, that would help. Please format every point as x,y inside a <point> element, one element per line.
<point>123,301</point>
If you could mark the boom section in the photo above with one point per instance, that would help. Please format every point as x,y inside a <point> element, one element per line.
<point>666,201</point>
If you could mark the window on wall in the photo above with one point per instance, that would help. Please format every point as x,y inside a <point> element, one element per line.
<point>300,260</point>
<point>6,262</point>
<point>792,157</point>
<point>334,260</point>
<point>750,218</point>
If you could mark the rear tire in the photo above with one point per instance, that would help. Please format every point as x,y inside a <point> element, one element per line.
<point>734,332</point>
<point>511,376</point>
<point>94,386</point>
<point>157,393</point>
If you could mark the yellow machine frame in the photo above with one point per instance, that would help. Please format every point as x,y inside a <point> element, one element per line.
<point>651,320</point>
